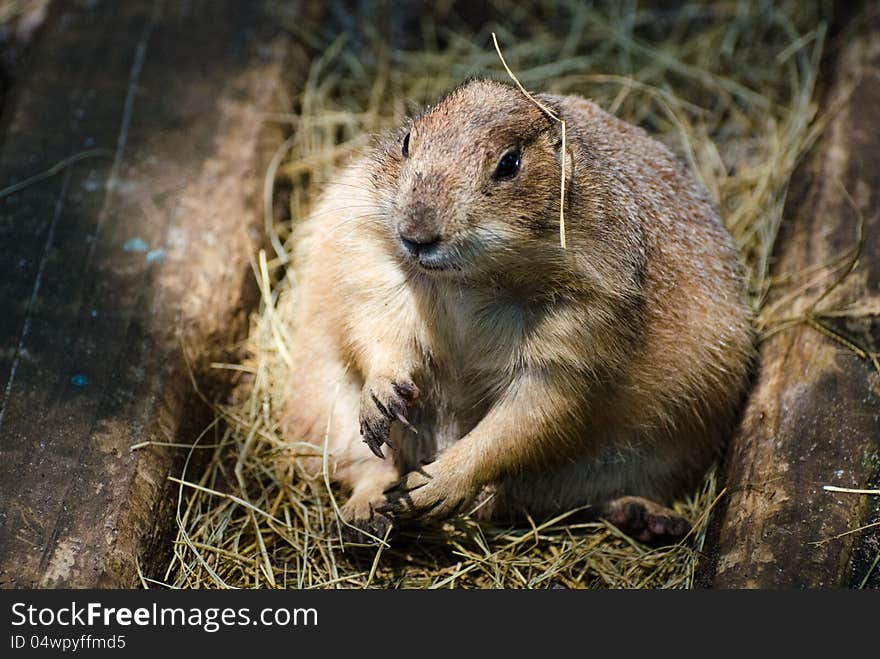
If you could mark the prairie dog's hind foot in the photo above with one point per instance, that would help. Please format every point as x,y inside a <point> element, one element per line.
<point>364,526</point>
<point>362,514</point>
<point>645,520</point>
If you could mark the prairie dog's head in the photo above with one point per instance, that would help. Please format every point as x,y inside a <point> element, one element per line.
<point>471,183</point>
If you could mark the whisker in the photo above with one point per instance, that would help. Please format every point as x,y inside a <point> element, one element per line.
<point>346,184</point>
<point>360,218</point>
<point>338,209</point>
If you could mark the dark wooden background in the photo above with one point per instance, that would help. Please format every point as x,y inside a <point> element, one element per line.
<point>112,267</point>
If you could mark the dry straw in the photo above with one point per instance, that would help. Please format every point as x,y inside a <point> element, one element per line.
<point>729,87</point>
<point>553,116</point>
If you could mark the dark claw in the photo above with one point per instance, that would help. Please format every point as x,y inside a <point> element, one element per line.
<point>395,499</point>
<point>406,422</point>
<point>436,504</point>
<point>397,503</point>
<point>394,493</point>
<point>374,433</point>
<point>377,415</point>
<point>375,447</point>
<point>399,489</point>
<point>398,500</point>
<point>382,408</point>
<point>388,509</point>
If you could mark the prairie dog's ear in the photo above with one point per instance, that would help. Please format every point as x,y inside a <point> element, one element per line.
<point>553,103</point>
<point>556,104</point>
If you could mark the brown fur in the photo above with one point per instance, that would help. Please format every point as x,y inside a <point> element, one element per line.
<point>549,378</point>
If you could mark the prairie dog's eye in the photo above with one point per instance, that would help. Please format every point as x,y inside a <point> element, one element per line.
<point>405,149</point>
<point>509,165</point>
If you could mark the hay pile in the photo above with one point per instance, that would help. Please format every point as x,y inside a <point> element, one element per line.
<point>728,86</point>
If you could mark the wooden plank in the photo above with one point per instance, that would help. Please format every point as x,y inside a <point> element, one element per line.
<point>813,418</point>
<point>111,265</point>
<point>19,23</point>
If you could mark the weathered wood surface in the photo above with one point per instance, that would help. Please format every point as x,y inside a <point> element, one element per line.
<point>813,418</point>
<point>17,30</point>
<point>111,265</point>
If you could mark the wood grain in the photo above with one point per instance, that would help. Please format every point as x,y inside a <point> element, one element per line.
<point>111,266</point>
<point>813,418</point>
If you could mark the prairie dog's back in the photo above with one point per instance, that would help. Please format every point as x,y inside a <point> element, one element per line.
<point>697,343</point>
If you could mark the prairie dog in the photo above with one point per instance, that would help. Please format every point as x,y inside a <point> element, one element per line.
<point>468,357</point>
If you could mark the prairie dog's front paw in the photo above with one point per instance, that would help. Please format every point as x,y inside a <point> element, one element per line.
<point>431,493</point>
<point>383,401</point>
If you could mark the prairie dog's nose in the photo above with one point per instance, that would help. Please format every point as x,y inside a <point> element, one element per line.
<point>418,229</point>
<point>417,248</point>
